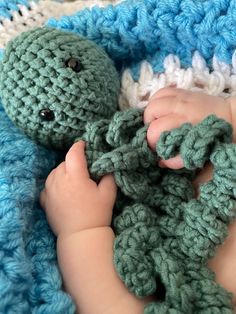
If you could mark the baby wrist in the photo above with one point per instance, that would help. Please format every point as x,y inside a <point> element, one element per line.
<point>84,232</point>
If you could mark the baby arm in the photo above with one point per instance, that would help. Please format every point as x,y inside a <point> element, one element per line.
<point>79,212</point>
<point>171,107</point>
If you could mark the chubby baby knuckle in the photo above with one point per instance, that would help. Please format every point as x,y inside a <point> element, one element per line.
<point>147,115</point>
<point>60,167</point>
<point>152,134</point>
<point>48,182</point>
<point>180,102</point>
<point>50,177</point>
<point>151,129</point>
<point>152,103</point>
<point>171,91</point>
<point>162,92</point>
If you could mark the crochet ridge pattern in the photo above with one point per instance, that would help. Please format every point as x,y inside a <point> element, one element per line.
<point>164,236</point>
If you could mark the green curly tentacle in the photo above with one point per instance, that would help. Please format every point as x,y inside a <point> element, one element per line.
<point>165,236</point>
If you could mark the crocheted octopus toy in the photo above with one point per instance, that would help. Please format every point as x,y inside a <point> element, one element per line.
<point>58,87</point>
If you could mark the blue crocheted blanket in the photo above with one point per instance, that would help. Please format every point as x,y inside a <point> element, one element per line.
<point>130,32</point>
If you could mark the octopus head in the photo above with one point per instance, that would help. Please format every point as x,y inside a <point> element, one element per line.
<point>53,82</point>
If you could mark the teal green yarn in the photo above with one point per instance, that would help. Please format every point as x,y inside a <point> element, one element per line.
<point>195,147</point>
<point>1,54</point>
<point>164,237</point>
<point>34,76</point>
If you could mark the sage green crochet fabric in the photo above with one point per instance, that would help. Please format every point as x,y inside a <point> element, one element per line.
<point>35,74</point>
<point>164,236</point>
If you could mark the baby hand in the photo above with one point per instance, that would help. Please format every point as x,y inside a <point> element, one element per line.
<point>74,202</point>
<point>171,107</point>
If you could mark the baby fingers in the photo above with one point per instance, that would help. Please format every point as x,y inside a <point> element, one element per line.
<point>160,125</point>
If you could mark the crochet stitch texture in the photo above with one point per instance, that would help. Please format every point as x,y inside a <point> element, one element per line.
<point>34,78</point>
<point>160,218</point>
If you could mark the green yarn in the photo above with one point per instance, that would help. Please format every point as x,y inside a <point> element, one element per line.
<point>34,76</point>
<point>164,236</point>
<point>197,145</point>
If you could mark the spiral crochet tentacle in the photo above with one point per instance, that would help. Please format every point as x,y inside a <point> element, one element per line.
<point>165,236</point>
<point>194,144</point>
<point>201,224</point>
<point>132,259</point>
<point>209,297</point>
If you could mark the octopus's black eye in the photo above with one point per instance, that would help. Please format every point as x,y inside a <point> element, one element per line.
<point>74,64</point>
<point>46,114</point>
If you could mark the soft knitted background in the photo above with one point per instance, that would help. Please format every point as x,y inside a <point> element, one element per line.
<point>190,44</point>
<point>181,40</point>
<point>17,16</point>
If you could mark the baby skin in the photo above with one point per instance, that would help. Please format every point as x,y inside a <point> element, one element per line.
<point>79,211</point>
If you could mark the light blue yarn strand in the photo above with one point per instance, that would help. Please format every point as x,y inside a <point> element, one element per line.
<point>30,281</point>
<point>29,278</point>
<point>6,7</point>
<point>134,31</point>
